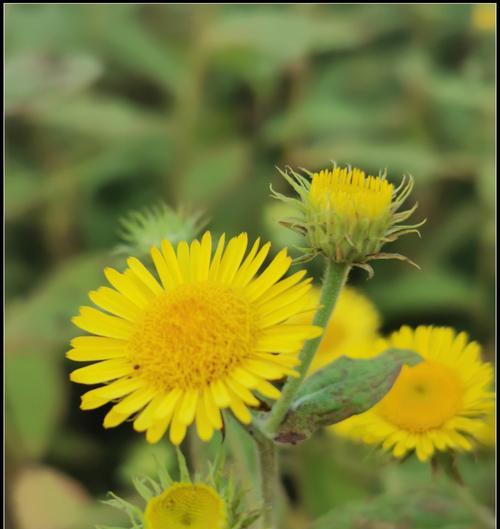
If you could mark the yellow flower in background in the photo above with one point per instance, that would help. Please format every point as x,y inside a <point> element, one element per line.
<point>348,215</point>
<point>205,337</point>
<point>439,404</point>
<point>210,501</point>
<point>484,17</point>
<point>352,329</point>
<point>186,506</point>
<point>486,434</point>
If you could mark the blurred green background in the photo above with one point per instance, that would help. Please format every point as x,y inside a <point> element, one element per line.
<point>112,108</point>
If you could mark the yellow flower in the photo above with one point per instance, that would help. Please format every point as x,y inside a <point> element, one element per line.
<point>186,506</point>
<point>486,434</point>
<point>205,337</point>
<point>484,17</point>
<point>212,501</point>
<point>348,215</point>
<point>439,404</point>
<point>351,331</point>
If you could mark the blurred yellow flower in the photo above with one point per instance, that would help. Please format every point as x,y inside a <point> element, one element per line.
<point>186,506</point>
<point>213,500</point>
<point>486,434</point>
<point>439,404</point>
<point>347,215</point>
<point>484,17</point>
<point>204,338</point>
<point>352,329</point>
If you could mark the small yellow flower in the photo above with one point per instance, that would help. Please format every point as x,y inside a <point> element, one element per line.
<point>486,434</point>
<point>205,337</point>
<point>484,17</point>
<point>186,506</point>
<point>439,404</point>
<point>213,501</point>
<point>348,215</point>
<point>351,331</point>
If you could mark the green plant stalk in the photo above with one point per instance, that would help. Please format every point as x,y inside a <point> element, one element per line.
<point>335,278</point>
<point>268,470</point>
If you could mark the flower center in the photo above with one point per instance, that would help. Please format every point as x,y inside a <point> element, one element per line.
<point>186,506</point>
<point>192,335</point>
<point>351,194</point>
<point>423,398</point>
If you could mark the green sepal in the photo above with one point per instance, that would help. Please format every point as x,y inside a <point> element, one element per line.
<point>341,389</point>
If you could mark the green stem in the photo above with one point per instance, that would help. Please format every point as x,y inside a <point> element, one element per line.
<point>481,513</point>
<point>268,466</point>
<point>335,277</point>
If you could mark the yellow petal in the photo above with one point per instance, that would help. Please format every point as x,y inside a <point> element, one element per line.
<point>213,411</point>
<point>112,301</point>
<point>144,275</point>
<point>113,418</point>
<point>146,418</point>
<point>135,401</point>
<point>251,265</point>
<point>240,411</point>
<point>220,394</point>
<point>273,273</point>
<point>166,277</point>
<point>242,392</point>
<point>232,258</point>
<point>168,403</point>
<point>157,430</point>
<point>280,287</point>
<point>98,397</point>
<point>96,322</point>
<point>171,261</point>
<point>102,371</point>
<point>214,267</point>
<point>177,430</point>
<point>126,286</point>
<point>203,426</point>
<point>187,407</point>
<point>183,260</point>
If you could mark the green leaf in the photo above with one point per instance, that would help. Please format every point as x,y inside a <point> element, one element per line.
<point>47,311</point>
<point>35,394</point>
<point>183,469</point>
<point>343,388</point>
<point>32,79</point>
<point>421,509</point>
<point>213,171</point>
<point>100,117</point>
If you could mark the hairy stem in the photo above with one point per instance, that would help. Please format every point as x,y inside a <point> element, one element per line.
<point>335,278</point>
<point>268,466</point>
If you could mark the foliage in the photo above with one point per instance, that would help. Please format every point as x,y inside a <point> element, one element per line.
<point>112,108</point>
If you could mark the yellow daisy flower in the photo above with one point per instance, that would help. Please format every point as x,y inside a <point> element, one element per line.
<point>439,404</point>
<point>186,505</point>
<point>351,331</point>
<point>212,501</point>
<point>348,215</point>
<point>205,337</point>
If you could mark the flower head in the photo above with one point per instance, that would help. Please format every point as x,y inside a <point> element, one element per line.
<point>184,505</point>
<point>206,336</point>
<point>441,403</point>
<point>212,501</point>
<point>484,17</point>
<point>348,215</point>
<point>140,230</point>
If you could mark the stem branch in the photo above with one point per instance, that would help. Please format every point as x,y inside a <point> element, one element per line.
<point>335,277</point>
<point>268,465</point>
